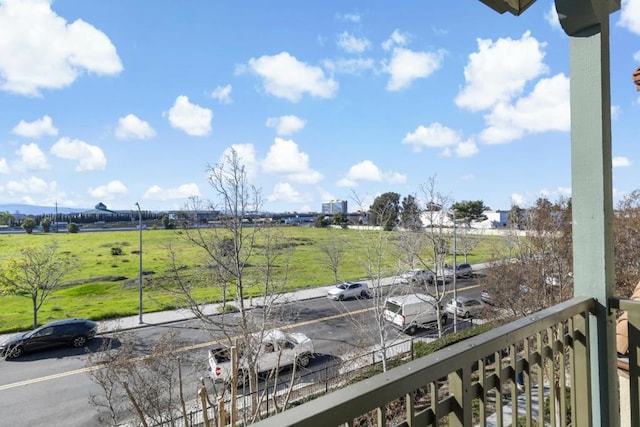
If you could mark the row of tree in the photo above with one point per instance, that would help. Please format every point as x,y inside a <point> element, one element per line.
<point>388,212</point>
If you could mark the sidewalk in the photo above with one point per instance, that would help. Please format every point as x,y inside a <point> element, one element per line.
<point>181,314</point>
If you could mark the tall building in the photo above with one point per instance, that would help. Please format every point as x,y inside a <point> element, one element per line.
<point>335,206</point>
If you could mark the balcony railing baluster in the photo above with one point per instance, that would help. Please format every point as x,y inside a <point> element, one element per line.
<point>547,354</point>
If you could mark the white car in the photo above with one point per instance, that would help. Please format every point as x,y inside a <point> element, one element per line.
<point>275,350</point>
<point>464,307</point>
<point>349,290</point>
<point>417,276</point>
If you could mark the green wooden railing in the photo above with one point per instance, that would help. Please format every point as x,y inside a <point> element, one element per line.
<point>538,364</point>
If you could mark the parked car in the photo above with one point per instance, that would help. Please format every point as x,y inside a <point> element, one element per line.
<point>73,332</point>
<point>273,351</point>
<point>349,290</point>
<point>417,276</point>
<point>487,298</point>
<point>464,307</point>
<point>461,270</point>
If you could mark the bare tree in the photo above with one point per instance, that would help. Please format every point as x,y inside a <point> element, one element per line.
<point>627,243</point>
<point>435,242</point>
<point>148,386</point>
<point>246,263</point>
<point>377,248</point>
<point>333,250</point>
<point>467,240</point>
<point>35,275</point>
<point>537,274</point>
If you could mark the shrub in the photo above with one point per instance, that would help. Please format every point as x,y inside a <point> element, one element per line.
<point>422,349</point>
<point>28,224</point>
<point>73,227</point>
<point>45,223</point>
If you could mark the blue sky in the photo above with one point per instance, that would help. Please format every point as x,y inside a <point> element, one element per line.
<point>121,102</point>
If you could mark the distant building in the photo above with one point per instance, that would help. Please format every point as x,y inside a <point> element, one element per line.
<point>495,219</point>
<point>335,206</point>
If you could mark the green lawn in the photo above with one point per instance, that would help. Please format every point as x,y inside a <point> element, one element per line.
<point>106,286</point>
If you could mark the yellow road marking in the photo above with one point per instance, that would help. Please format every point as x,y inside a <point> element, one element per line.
<point>186,348</point>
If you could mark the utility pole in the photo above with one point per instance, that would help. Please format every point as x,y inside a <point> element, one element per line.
<point>455,275</point>
<point>140,267</point>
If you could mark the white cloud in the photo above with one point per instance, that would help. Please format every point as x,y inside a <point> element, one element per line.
<point>615,112</point>
<point>518,199</point>
<point>246,156</point>
<point>546,108</point>
<point>433,136</point>
<point>551,16</point>
<point>353,66</point>
<point>89,157</point>
<point>325,195</point>
<point>368,171</point>
<point>31,158</point>
<point>4,166</point>
<point>131,127</point>
<point>351,17</point>
<point>285,77</point>
<point>40,50</point>
<point>284,192</point>
<point>396,39</point>
<point>406,66</point>
<point>36,128</point>
<point>630,16</point>
<point>190,118</point>
<point>620,162</point>
<point>352,44</point>
<point>286,125</point>
<point>33,186</point>
<point>222,94</point>
<point>467,149</point>
<point>284,158</point>
<point>636,56</point>
<point>558,192</point>
<point>108,191</point>
<point>184,191</point>
<point>499,70</point>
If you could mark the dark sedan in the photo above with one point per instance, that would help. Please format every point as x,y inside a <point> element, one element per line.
<point>73,332</point>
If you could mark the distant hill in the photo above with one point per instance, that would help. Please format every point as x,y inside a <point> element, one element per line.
<point>14,208</point>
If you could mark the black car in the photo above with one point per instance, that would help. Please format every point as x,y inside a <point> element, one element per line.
<point>73,332</point>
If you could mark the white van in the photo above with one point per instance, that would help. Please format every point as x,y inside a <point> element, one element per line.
<point>412,311</point>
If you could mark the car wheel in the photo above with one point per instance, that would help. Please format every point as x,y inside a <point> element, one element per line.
<point>364,294</point>
<point>304,360</point>
<point>340,297</point>
<point>412,330</point>
<point>79,341</point>
<point>14,352</point>
<point>467,315</point>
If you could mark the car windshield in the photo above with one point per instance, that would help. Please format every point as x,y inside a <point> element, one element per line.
<point>342,286</point>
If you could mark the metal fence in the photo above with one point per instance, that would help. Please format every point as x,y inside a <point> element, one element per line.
<point>274,395</point>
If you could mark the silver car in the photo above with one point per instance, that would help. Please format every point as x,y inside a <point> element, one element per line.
<point>349,290</point>
<point>464,307</point>
<point>417,276</point>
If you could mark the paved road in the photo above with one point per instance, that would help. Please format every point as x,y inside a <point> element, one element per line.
<point>58,383</point>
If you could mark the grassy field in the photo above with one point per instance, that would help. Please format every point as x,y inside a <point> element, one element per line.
<point>106,286</point>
